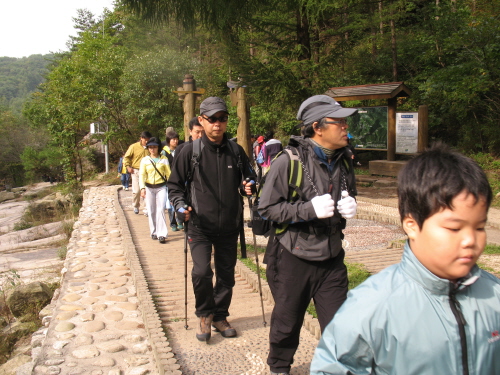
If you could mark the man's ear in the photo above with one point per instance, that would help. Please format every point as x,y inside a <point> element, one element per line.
<point>410,226</point>
<point>316,129</point>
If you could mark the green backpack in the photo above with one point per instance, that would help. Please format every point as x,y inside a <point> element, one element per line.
<point>261,226</point>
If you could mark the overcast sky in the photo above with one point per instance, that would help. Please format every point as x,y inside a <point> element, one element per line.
<point>29,27</point>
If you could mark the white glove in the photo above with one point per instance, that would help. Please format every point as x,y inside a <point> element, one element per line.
<point>323,206</point>
<point>347,205</point>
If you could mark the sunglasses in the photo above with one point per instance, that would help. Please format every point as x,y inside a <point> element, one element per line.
<point>213,119</point>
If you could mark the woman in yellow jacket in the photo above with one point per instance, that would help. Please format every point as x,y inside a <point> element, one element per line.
<point>154,172</point>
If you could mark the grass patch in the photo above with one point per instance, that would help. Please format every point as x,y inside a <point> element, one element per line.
<point>42,193</point>
<point>62,252</point>
<point>491,167</point>
<point>11,335</point>
<point>492,249</point>
<point>356,273</point>
<point>22,225</point>
<point>488,269</point>
<point>359,171</point>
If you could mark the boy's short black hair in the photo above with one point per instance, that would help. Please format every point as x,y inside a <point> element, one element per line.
<point>430,181</point>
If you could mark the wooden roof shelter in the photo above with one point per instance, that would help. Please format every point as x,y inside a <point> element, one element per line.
<point>390,91</point>
<point>366,92</point>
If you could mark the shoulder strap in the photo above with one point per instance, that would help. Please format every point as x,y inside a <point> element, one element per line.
<point>154,165</point>
<point>195,158</point>
<point>295,176</point>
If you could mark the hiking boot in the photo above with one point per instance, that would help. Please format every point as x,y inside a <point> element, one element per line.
<point>224,328</point>
<point>203,332</point>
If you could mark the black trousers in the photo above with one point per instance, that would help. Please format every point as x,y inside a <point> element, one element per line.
<point>210,298</point>
<point>293,283</point>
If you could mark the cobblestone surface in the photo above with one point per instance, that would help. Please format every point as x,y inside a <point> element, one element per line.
<point>96,326</point>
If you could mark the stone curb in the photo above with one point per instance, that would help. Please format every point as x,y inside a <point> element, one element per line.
<point>166,362</point>
<point>363,214</point>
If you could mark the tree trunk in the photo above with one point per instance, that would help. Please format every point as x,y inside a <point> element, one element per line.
<point>303,38</point>
<point>394,49</point>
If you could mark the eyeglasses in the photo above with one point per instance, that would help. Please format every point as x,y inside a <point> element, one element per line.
<point>342,122</point>
<point>213,119</point>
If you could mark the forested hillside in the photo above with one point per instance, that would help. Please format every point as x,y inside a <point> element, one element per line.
<point>19,77</point>
<point>122,68</point>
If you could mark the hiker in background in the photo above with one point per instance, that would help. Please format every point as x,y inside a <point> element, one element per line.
<point>195,132</point>
<point>169,150</point>
<point>353,150</point>
<point>258,156</point>
<point>132,160</point>
<point>153,174</point>
<point>207,179</point>
<point>123,173</point>
<point>272,148</point>
<point>304,255</point>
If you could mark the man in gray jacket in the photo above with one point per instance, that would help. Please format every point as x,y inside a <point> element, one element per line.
<point>306,261</point>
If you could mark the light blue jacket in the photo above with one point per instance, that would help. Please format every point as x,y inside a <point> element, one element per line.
<point>402,321</point>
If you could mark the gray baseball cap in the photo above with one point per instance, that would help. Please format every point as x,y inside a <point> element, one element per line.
<point>210,106</point>
<point>320,106</point>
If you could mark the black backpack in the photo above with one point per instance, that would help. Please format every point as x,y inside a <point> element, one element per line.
<point>195,158</point>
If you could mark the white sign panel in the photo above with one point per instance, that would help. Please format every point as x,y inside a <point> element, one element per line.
<point>406,132</point>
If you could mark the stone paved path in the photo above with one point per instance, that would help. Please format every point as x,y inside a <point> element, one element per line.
<point>163,267</point>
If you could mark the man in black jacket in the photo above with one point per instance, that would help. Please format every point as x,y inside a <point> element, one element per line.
<point>209,186</point>
<point>306,261</point>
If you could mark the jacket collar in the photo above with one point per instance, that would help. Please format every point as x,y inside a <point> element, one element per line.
<point>436,285</point>
<point>212,145</point>
<point>308,145</point>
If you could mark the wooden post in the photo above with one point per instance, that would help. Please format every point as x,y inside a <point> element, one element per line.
<point>243,133</point>
<point>423,126</point>
<point>391,129</point>
<point>189,85</point>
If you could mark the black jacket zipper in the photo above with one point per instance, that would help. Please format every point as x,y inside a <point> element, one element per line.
<point>219,214</point>
<point>455,308</point>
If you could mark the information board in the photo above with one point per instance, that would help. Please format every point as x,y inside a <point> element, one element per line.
<point>406,132</point>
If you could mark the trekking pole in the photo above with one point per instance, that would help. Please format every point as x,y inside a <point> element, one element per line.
<point>185,271</point>
<point>258,267</point>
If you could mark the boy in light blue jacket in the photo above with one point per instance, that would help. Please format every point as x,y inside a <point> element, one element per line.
<point>435,312</point>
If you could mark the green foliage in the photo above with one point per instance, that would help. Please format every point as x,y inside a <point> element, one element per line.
<point>491,166</point>
<point>149,81</point>
<point>46,161</point>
